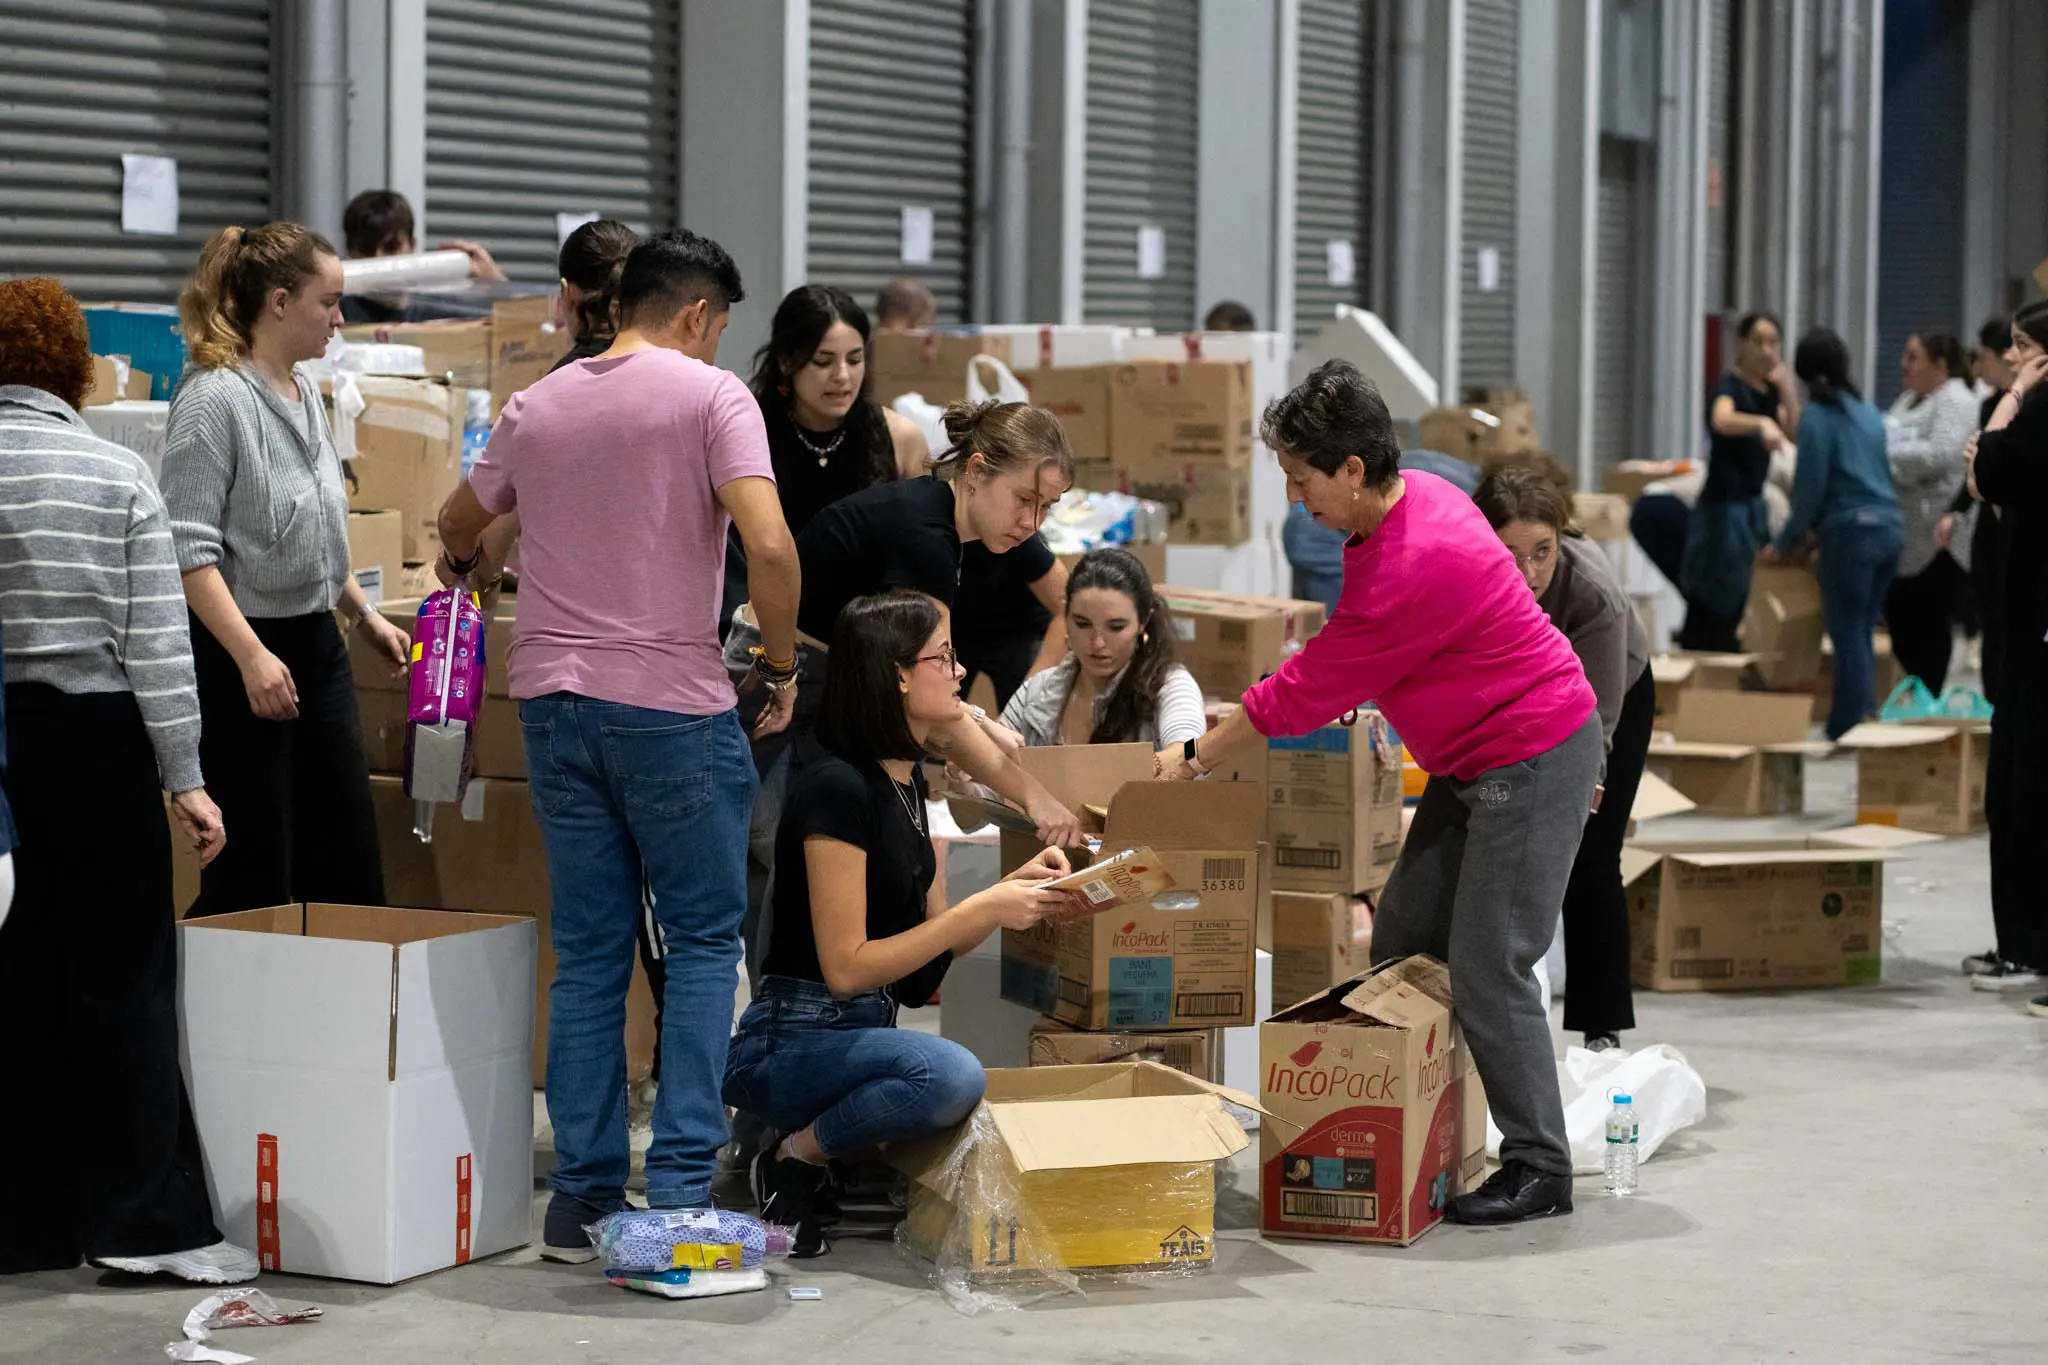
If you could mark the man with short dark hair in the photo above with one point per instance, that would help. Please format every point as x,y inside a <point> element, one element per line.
<point>904,305</point>
<point>624,469</point>
<point>1230,316</point>
<point>380,223</point>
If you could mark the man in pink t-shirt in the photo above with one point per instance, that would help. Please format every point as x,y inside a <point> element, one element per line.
<point>1435,624</point>
<point>625,470</point>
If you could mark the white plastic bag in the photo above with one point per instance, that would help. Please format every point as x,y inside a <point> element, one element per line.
<point>1008,389</point>
<point>930,419</point>
<point>1667,1094</point>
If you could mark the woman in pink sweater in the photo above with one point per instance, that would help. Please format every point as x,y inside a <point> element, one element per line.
<point>1436,625</point>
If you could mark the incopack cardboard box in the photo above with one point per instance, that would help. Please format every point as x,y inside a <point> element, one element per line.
<point>1782,625</point>
<point>376,551</point>
<point>1334,814</point>
<point>1925,775</point>
<point>1229,641</point>
<point>487,856</point>
<point>931,363</point>
<point>1073,1168</point>
<point>1760,913</point>
<point>408,455</point>
<point>1313,944</point>
<point>1186,961</point>
<point>360,1082</point>
<point>1372,1075</point>
<point>1193,1052</point>
<point>1737,753</point>
<point>1180,434</point>
<point>1079,397</point>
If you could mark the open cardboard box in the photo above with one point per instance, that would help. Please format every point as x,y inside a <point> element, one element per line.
<point>1143,967</point>
<point>1073,1168</point>
<point>359,1078</point>
<point>1924,774</point>
<point>1082,777</point>
<point>1194,1052</point>
<point>1737,753</point>
<point>1679,672</point>
<point>1741,914</point>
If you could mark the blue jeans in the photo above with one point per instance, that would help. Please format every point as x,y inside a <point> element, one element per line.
<point>1859,554</point>
<point>804,1056</point>
<point>631,799</point>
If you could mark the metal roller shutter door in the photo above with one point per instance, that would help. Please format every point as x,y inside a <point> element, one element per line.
<point>536,108</point>
<point>1720,146</point>
<point>1144,97</point>
<point>1333,156</point>
<point>1921,183</point>
<point>83,81</point>
<point>880,145</point>
<point>1486,319</point>
<point>1618,297</point>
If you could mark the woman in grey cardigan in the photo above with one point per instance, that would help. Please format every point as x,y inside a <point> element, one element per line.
<point>1924,436</point>
<point>260,517</point>
<point>102,723</point>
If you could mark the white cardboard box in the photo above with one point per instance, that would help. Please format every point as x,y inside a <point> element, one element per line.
<point>140,425</point>
<point>361,1079</point>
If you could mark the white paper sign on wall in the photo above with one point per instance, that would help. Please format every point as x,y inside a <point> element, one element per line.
<point>1151,252</point>
<point>149,195</point>
<point>1489,269</point>
<point>1340,262</point>
<point>917,235</point>
<point>566,223</point>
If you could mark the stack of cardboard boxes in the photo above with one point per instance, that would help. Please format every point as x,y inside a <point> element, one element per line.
<point>1492,424</point>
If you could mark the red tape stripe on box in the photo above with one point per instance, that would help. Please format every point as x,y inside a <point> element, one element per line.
<point>266,1201</point>
<point>462,1205</point>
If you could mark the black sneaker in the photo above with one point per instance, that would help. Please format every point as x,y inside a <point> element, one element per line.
<point>787,1191</point>
<point>2038,1007</point>
<point>2005,977</point>
<point>1602,1042</point>
<point>1514,1193</point>
<point>1979,963</point>
<point>562,1237</point>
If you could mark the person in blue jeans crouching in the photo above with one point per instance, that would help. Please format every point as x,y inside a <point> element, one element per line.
<point>857,927</point>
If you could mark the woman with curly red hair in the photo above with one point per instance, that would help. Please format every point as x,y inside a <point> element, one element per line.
<point>260,518</point>
<point>102,717</point>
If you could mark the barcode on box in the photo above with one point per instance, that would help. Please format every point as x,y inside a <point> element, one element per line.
<point>1689,938</point>
<point>1074,992</point>
<point>1223,874</point>
<point>1209,1005</point>
<point>1313,1206</point>
<point>1703,969</point>
<point>1315,859</point>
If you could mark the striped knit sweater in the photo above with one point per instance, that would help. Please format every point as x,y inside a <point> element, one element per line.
<point>89,586</point>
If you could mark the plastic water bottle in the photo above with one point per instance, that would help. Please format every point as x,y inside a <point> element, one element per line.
<point>476,428</point>
<point>1621,1145</point>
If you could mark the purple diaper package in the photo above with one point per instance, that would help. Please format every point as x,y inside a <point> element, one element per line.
<point>445,701</point>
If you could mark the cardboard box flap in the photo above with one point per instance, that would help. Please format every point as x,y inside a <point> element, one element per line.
<point>1068,1134</point>
<point>1080,775</point>
<point>1805,748</point>
<point>1409,992</point>
<point>1656,798</point>
<point>1635,862</point>
<point>1879,735</point>
<point>1746,857</point>
<point>1186,815</point>
<point>1873,837</point>
<point>1662,742</point>
<point>1711,717</point>
<point>1672,668</point>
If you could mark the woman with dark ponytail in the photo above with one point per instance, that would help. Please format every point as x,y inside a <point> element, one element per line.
<point>1843,496</point>
<point>1119,683</point>
<point>590,263</point>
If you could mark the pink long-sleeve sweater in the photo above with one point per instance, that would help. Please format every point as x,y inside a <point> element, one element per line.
<point>1436,625</point>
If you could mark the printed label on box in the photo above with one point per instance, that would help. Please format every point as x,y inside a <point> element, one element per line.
<point>1140,992</point>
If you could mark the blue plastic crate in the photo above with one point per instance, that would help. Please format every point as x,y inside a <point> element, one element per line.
<point>147,336</point>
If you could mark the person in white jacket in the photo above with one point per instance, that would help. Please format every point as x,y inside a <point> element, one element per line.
<point>1924,437</point>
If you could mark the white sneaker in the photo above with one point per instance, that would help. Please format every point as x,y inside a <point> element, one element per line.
<point>2009,976</point>
<point>221,1263</point>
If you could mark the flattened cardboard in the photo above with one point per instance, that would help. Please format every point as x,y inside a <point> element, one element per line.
<point>1925,775</point>
<point>359,1079</point>
<point>1371,1075</point>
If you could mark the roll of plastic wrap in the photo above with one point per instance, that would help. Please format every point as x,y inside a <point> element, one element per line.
<point>376,274</point>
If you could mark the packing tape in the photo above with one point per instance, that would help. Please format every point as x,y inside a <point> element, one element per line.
<point>266,1201</point>
<point>462,1208</point>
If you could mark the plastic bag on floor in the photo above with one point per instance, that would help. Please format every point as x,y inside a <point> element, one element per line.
<point>1668,1096</point>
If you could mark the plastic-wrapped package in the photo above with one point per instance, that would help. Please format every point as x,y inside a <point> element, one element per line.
<point>1087,519</point>
<point>688,1253</point>
<point>445,701</point>
<point>1067,1175</point>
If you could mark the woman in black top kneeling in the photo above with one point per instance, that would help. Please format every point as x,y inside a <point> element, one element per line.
<point>858,927</point>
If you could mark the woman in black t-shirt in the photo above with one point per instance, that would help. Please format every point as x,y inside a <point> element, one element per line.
<point>859,928</point>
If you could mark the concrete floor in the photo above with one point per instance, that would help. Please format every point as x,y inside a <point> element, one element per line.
<point>1867,1187</point>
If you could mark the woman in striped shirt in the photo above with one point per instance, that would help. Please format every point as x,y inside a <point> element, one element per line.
<point>102,720</point>
<point>260,519</point>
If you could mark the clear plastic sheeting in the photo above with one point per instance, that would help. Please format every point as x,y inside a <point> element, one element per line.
<point>1668,1096</point>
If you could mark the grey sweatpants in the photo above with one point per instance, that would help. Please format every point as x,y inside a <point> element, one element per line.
<point>1480,883</point>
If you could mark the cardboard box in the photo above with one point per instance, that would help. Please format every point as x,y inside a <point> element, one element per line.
<point>1372,1074</point>
<point>1602,516</point>
<point>1782,625</point>
<point>1767,913</point>
<point>138,426</point>
<point>1313,944</point>
<point>1192,1052</point>
<point>1079,776</point>
<point>525,344</point>
<point>457,350</point>
<point>1655,799</point>
<point>1334,814</point>
<point>1180,434</point>
<point>376,551</point>
<point>515,346</point>
<point>1230,641</point>
<point>1207,502</point>
<point>114,380</point>
<point>1678,671</point>
<point>1737,753</point>
<point>381,697</point>
<point>1079,397</point>
<point>408,455</point>
<point>1188,966</point>
<point>1472,1170</point>
<point>1628,478</point>
<point>359,1078</point>
<point>1073,1168</point>
<point>1925,775</point>
<point>930,363</point>
<point>1491,429</point>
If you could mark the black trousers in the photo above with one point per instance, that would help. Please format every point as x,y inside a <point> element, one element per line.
<point>2016,806</point>
<point>1987,580</point>
<point>98,1153</point>
<point>1007,665</point>
<point>295,794</point>
<point>1597,995</point>
<point>1920,612</point>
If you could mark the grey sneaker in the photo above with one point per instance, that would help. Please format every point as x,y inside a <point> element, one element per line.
<point>221,1263</point>
<point>562,1238</point>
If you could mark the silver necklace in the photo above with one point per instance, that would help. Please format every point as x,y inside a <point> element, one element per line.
<point>823,452</point>
<point>908,802</point>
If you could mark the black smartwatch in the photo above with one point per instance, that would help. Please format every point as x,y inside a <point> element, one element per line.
<point>1187,751</point>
